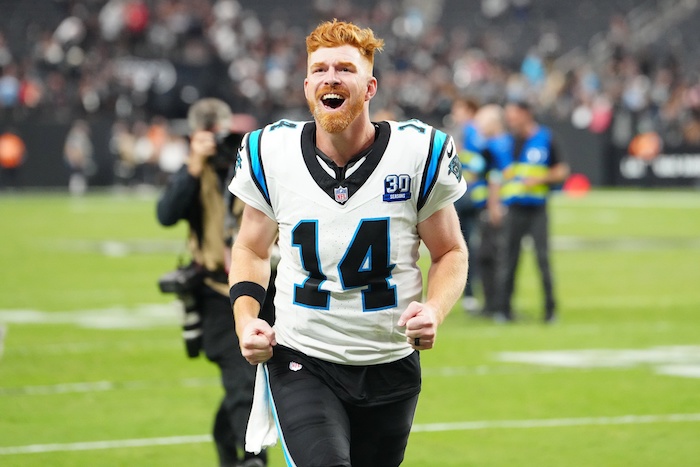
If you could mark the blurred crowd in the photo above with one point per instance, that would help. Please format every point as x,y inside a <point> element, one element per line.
<point>143,62</point>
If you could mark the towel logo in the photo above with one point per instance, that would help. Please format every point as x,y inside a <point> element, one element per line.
<point>294,366</point>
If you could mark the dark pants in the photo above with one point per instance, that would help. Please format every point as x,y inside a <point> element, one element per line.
<point>330,416</point>
<point>220,344</point>
<point>524,221</point>
<point>486,259</point>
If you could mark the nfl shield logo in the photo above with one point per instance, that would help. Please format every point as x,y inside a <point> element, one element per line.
<point>341,194</point>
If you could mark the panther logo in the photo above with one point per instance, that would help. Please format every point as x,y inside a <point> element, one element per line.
<point>455,167</point>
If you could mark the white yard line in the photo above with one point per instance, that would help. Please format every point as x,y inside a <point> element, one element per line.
<point>419,428</point>
<point>95,445</point>
<point>104,386</point>
<point>558,422</point>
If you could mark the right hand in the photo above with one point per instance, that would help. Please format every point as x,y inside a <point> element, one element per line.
<point>257,340</point>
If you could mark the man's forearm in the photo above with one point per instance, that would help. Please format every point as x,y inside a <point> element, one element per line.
<point>247,266</point>
<point>446,279</point>
<point>557,174</point>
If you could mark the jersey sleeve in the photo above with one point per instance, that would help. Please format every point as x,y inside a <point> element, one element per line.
<point>442,182</point>
<point>249,183</point>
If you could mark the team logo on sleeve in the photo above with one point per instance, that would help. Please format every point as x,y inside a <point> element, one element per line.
<point>455,167</point>
<point>397,188</point>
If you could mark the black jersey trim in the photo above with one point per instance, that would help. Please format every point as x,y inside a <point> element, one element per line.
<point>353,183</point>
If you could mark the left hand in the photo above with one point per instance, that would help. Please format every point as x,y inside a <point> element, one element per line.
<point>421,323</point>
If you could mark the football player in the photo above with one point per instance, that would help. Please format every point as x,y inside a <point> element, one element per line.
<point>351,199</point>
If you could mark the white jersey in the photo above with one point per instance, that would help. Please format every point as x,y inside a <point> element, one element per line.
<point>348,241</point>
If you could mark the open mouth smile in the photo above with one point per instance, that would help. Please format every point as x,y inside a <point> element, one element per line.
<point>332,100</point>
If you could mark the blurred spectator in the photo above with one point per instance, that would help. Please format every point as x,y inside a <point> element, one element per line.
<point>470,144</point>
<point>144,155</point>
<point>173,154</point>
<point>122,147</point>
<point>141,58</point>
<point>77,152</point>
<point>691,129</point>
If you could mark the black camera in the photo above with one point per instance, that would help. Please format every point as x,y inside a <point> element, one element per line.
<point>182,280</point>
<point>226,149</point>
<point>191,325</point>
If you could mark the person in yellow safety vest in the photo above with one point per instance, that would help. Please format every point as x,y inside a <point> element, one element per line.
<point>537,165</point>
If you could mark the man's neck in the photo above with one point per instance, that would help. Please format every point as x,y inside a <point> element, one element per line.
<point>342,147</point>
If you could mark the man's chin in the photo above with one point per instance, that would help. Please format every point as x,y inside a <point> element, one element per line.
<point>335,122</point>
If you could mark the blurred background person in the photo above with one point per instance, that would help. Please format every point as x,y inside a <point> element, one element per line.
<point>536,167</point>
<point>497,153</point>
<point>121,146</point>
<point>77,152</point>
<point>144,156</point>
<point>469,146</point>
<point>173,154</point>
<point>196,194</point>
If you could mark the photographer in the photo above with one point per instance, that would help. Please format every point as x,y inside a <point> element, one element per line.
<point>196,193</point>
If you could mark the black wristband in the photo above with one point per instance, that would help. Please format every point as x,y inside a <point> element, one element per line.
<point>248,288</point>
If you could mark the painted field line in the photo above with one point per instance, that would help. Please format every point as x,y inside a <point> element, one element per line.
<point>96,445</point>
<point>440,372</point>
<point>420,428</point>
<point>103,386</point>
<point>557,422</point>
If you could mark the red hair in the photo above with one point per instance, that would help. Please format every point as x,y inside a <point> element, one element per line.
<point>337,33</point>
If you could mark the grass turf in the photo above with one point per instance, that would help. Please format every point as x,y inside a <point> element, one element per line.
<point>93,351</point>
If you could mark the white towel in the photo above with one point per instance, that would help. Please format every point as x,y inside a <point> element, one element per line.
<point>261,432</point>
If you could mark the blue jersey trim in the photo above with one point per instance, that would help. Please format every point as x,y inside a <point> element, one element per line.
<point>256,167</point>
<point>437,149</point>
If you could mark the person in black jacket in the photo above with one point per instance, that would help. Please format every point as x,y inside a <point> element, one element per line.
<point>197,194</point>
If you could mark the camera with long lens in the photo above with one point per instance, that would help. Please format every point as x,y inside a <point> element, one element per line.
<point>184,279</point>
<point>184,282</point>
<point>191,325</point>
<point>226,149</point>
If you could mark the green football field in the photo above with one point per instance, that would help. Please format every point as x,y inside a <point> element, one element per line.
<point>94,371</point>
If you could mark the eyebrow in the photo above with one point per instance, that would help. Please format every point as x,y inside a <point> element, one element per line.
<point>350,65</point>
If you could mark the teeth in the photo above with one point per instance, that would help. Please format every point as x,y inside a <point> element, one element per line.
<point>332,96</point>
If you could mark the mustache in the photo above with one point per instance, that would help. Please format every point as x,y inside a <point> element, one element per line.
<point>332,88</point>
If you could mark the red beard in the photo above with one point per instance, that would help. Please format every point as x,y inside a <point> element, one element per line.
<point>332,121</point>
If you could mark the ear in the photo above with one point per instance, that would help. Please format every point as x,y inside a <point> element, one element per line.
<point>306,88</point>
<point>371,88</point>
